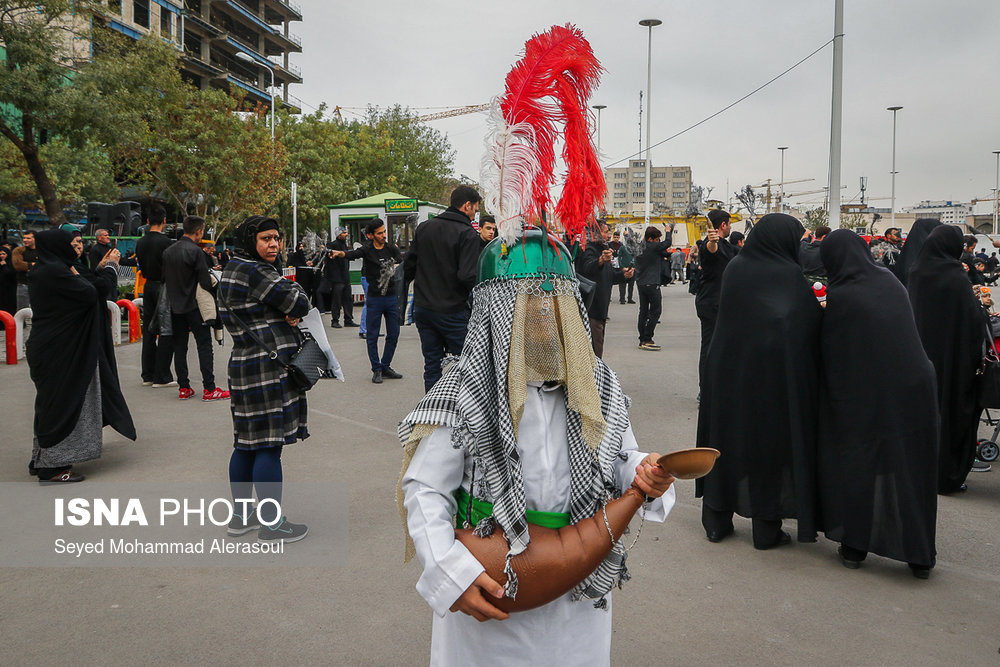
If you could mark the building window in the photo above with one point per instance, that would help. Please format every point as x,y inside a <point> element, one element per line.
<point>638,184</point>
<point>621,186</point>
<point>165,24</point>
<point>115,6</point>
<point>619,195</point>
<point>638,174</point>
<point>621,174</point>
<point>679,195</point>
<point>680,174</point>
<point>638,195</point>
<point>638,163</point>
<point>140,13</point>
<point>659,174</point>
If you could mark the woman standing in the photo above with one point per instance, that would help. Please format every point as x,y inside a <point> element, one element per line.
<point>760,389</point>
<point>269,411</point>
<point>878,423</point>
<point>72,362</point>
<point>952,327</point>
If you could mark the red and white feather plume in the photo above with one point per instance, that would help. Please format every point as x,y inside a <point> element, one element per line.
<point>546,99</point>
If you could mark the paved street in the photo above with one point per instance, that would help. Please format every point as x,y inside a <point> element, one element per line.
<point>689,602</point>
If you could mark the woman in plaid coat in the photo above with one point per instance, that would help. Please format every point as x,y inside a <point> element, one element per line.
<point>268,410</point>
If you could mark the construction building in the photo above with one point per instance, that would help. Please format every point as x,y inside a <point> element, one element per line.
<point>669,193</point>
<point>223,43</point>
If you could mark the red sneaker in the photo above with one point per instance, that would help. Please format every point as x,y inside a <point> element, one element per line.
<point>185,393</point>
<point>214,395</point>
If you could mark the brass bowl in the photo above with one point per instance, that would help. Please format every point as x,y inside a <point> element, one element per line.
<point>689,463</point>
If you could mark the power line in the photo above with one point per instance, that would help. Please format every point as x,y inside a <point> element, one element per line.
<point>723,110</point>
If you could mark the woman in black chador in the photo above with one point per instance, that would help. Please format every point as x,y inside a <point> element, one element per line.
<point>878,420</point>
<point>760,391</point>
<point>915,240</point>
<point>952,327</point>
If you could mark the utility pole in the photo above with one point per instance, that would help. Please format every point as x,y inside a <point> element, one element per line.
<point>836,115</point>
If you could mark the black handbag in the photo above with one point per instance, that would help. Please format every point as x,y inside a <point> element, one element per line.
<point>989,374</point>
<point>306,365</point>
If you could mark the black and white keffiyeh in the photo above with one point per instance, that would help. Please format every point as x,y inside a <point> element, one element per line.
<point>472,399</point>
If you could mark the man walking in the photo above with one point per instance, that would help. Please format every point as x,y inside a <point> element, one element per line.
<point>677,260</point>
<point>442,262</point>
<point>648,266</point>
<point>596,263</point>
<point>379,267</point>
<point>23,258</point>
<point>715,253</point>
<point>184,269</point>
<point>157,346</point>
<point>337,272</point>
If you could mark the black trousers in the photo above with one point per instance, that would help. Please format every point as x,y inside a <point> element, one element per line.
<point>650,307</point>
<point>766,532</point>
<point>341,297</point>
<point>191,322</point>
<point>708,316</point>
<point>157,351</point>
<point>621,289</point>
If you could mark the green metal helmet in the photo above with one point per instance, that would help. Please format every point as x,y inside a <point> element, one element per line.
<point>535,255</point>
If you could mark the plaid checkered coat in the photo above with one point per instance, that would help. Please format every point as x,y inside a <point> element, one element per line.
<point>268,410</point>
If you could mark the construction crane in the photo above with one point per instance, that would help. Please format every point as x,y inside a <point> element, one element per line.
<point>767,184</point>
<point>460,111</point>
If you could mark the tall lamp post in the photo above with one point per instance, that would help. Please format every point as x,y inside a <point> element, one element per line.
<point>893,204</point>
<point>247,58</point>
<point>599,107</point>
<point>649,24</point>
<point>781,190</point>
<point>996,194</point>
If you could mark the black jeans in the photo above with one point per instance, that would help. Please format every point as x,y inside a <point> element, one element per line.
<point>191,322</point>
<point>156,350</point>
<point>439,333</point>
<point>621,289</point>
<point>379,307</point>
<point>650,307</point>
<point>341,297</point>
<point>766,532</point>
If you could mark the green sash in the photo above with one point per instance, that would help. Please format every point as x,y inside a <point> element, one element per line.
<point>482,509</point>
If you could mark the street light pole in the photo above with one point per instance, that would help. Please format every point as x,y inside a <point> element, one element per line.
<point>893,204</point>
<point>648,23</point>
<point>996,194</point>
<point>599,107</point>
<point>247,58</point>
<point>781,190</point>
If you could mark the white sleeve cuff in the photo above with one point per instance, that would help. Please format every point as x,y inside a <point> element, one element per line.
<point>445,580</point>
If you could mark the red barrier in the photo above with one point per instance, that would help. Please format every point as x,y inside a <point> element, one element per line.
<point>10,334</point>
<point>134,328</point>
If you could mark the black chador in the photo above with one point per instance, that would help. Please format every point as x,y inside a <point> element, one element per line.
<point>759,400</point>
<point>878,413</point>
<point>952,328</point>
<point>919,232</point>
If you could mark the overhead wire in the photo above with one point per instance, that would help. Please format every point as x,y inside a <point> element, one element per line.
<point>727,108</point>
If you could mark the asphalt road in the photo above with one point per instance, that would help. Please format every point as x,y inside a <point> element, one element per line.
<point>689,602</point>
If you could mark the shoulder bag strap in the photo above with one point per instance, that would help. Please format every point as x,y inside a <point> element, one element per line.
<point>271,354</point>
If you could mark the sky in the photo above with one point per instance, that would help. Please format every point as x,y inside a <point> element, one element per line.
<point>937,60</point>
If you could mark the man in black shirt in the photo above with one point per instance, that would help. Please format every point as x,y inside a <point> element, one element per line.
<point>647,277</point>
<point>624,261</point>
<point>443,262</point>
<point>809,258</point>
<point>715,253</point>
<point>596,264</point>
<point>157,346</point>
<point>337,272</point>
<point>101,247</point>
<point>379,268</point>
<point>184,269</point>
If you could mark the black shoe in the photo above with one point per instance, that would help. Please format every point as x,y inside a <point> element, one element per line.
<point>782,540</point>
<point>849,563</point>
<point>32,470</point>
<point>717,536</point>
<point>631,301</point>
<point>390,374</point>
<point>65,477</point>
<point>361,335</point>
<point>622,302</point>
<point>336,325</point>
<point>351,324</point>
<point>377,377</point>
<point>920,571</point>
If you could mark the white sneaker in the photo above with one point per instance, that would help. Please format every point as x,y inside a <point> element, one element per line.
<point>161,385</point>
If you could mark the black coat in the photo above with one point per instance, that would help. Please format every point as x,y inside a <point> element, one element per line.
<point>878,417</point>
<point>760,392</point>
<point>70,337</point>
<point>952,328</point>
<point>337,270</point>
<point>604,276</point>
<point>919,232</point>
<point>443,262</point>
<point>8,287</point>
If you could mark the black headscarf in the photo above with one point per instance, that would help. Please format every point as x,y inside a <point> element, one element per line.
<point>246,235</point>
<point>70,337</point>
<point>759,394</point>
<point>919,232</point>
<point>952,327</point>
<point>878,416</point>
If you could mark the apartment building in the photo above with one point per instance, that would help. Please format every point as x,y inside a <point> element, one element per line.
<point>669,194</point>
<point>948,212</point>
<point>223,42</point>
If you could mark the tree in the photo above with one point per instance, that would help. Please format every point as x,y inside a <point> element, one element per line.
<point>209,158</point>
<point>59,108</point>
<point>816,217</point>
<point>750,200</point>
